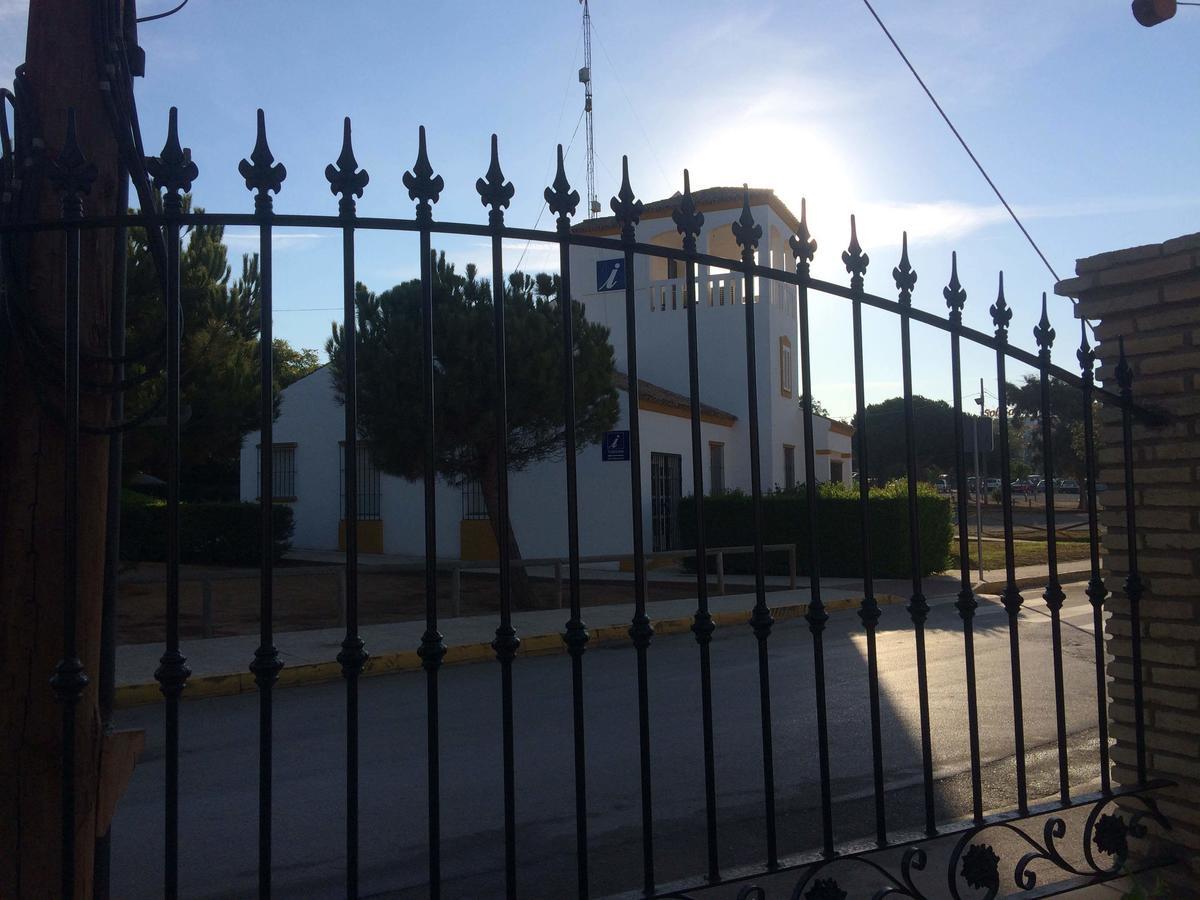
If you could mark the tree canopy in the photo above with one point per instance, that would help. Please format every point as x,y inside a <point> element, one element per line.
<point>219,360</point>
<point>391,411</point>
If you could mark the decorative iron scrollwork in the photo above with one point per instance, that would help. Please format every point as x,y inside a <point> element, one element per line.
<point>975,864</point>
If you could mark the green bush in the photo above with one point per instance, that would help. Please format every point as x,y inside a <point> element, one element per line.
<point>728,522</point>
<point>218,533</point>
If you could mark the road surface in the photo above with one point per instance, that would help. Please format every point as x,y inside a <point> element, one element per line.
<point>219,763</point>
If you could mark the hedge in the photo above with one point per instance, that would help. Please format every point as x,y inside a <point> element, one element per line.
<point>728,522</point>
<point>219,533</point>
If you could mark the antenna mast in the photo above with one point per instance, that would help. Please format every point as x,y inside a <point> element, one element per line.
<point>585,78</point>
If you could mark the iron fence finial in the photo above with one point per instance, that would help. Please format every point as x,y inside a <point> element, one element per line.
<point>423,186</point>
<point>344,176</point>
<point>173,169</point>
<point>493,190</point>
<point>1124,370</point>
<point>1001,312</point>
<point>1042,332</point>
<point>956,296</point>
<point>904,274</point>
<point>1085,354</point>
<point>688,219</point>
<point>560,199</point>
<point>625,206</point>
<point>745,231</point>
<point>855,260</point>
<point>804,248</point>
<point>71,173</point>
<point>260,171</point>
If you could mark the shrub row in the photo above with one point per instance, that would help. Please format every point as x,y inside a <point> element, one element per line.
<point>728,522</point>
<point>218,533</point>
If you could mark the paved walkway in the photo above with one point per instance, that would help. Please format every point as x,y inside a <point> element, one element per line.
<point>220,666</point>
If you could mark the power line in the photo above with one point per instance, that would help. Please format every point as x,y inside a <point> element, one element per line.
<point>632,108</point>
<point>970,153</point>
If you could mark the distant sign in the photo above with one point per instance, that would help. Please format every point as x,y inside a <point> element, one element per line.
<point>978,430</point>
<point>615,447</point>
<point>610,274</point>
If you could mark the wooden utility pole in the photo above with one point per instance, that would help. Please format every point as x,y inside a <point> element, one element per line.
<point>62,72</point>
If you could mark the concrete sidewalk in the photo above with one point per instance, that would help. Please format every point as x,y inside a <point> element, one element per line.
<point>220,666</point>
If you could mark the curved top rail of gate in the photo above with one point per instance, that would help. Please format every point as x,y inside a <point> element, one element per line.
<point>154,218</point>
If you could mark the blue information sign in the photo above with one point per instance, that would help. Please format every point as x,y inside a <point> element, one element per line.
<point>615,447</point>
<point>610,274</point>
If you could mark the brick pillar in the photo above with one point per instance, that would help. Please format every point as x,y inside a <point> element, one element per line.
<point>1150,296</point>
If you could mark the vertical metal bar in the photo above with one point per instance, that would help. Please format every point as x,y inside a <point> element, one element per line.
<point>264,175</point>
<point>869,612</point>
<point>966,604</point>
<point>348,180</point>
<point>173,170</point>
<point>425,187</point>
<point>918,607</point>
<point>496,192</point>
<point>748,234</point>
<point>1133,581</point>
<point>1096,590</point>
<point>73,176</point>
<point>561,200</point>
<point>1054,596</point>
<point>688,221</point>
<point>106,686</point>
<point>628,211</point>
<point>1001,316</point>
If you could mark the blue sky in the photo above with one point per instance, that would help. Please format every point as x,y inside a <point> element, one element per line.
<point>1086,120</point>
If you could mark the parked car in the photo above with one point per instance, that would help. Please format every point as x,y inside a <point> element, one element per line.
<point>942,484</point>
<point>1024,486</point>
<point>1068,486</point>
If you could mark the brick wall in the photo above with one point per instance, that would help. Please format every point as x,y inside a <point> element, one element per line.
<point>1150,296</point>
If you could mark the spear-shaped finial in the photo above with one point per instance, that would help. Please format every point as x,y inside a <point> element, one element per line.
<point>688,219</point>
<point>173,169</point>
<point>261,172</point>
<point>904,275</point>
<point>802,243</point>
<point>856,261</point>
<point>560,199</point>
<point>1001,313</point>
<point>346,178</point>
<point>1085,354</point>
<point>745,231</point>
<point>423,186</point>
<point>956,297</point>
<point>493,190</point>
<point>1042,332</point>
<point>1124,370</point>
<point>71,173</point>
<point>626,207</point>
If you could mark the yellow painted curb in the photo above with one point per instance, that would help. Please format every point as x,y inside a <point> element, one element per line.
<point>128,695</point>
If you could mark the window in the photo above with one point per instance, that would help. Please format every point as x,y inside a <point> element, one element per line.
<point>716,468</point>
<point>789,466</point>
<point>473,505</point>
<point>367,495</point>
<point>786,367</point>
<point>836,471</point>
<point>283,471</point>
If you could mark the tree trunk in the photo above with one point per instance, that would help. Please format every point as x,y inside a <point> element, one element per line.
<point>489,484</point>
<point>62,72</point>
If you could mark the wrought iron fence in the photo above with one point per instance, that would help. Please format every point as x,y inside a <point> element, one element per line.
<point>972,862</point>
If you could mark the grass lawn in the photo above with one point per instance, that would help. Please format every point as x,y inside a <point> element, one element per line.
<point>1025,553</point>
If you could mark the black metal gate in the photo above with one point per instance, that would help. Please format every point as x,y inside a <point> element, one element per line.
<point>973,867</point>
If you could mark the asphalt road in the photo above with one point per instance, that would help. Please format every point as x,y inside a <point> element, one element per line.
<point>218,821</point>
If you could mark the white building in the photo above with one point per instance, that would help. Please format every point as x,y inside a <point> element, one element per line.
<point>308,431</point>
